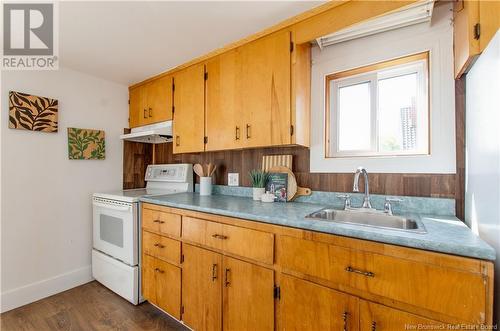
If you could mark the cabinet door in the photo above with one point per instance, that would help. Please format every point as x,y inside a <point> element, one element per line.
<point>159,100</point>
<point>466,46</point>
<point>137,112</point>
<point>248,300</point>
<point>489,15</point>
<point>224,96</point>
<point>307,306</point>
<point>265,88</point>
<point>201,288</point>
<point>375,317</point>
<point>168,288</point>
<point>189,115</point>
<point>148,278</point>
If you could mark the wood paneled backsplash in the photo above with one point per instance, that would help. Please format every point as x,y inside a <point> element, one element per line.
<point>137,156</point>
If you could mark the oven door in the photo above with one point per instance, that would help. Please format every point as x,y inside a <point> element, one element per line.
<point>115,229</point>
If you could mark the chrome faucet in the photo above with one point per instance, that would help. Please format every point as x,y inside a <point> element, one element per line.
<point>355,187</point>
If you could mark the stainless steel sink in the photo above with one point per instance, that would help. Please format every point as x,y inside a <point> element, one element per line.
<point>372,219</point>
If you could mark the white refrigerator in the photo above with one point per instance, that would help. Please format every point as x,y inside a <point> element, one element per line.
<point>482,152</point>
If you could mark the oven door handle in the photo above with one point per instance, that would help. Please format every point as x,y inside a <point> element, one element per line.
<point>119,208</point>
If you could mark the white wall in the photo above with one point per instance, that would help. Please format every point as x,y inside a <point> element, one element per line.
<point>437,37</point>
<point>482,178</point>
<point>46,219</point>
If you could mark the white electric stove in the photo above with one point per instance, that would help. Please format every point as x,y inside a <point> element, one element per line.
<point>116,227</point>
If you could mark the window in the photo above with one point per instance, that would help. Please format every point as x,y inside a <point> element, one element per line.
<point>379,110</point>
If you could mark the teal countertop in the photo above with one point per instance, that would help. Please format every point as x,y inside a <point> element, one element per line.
<point>445,234</point>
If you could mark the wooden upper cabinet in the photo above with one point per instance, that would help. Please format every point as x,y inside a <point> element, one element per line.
<point>489,17</point>
<point>160,99</point>
<point>265,88</point>
<point>257,95</point>
<point>466,44</point>
<point>308,306</point>
<point>248,301</point>
<point>189,110</point>
<point>136,111</point>
<point>475,22</point>
<point>151,102</point>
<point>224,102</point>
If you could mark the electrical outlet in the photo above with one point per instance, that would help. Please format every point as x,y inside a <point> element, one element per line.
<point>233,179</point>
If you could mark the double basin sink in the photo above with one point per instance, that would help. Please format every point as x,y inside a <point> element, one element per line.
<point>374,219</point>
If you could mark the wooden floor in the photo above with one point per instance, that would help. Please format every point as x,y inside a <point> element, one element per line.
<point>87,307</point>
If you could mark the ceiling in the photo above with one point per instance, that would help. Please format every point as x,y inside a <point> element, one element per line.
<point>128,41</point>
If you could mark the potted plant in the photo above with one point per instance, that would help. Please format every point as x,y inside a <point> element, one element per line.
<point>259,180</point>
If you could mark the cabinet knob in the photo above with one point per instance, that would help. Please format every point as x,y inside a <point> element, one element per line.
<point>159,270</point>
<point>177,141</point>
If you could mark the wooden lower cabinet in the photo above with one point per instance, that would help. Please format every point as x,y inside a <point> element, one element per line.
<point>375,317</point>
<point>201,288</point>
<point>161,285</point>
<point>219,292</point>
<point>308,306</point>
<point>241,275</point>
<point>248,296</point>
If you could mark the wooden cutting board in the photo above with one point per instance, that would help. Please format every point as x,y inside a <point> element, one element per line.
<point>293,191</point>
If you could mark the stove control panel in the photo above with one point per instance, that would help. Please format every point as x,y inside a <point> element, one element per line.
<point>169,172</point>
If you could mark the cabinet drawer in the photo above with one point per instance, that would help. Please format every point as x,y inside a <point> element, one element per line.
<point>252,244</point>
<point>163,222</point>
<point>161,247</point>
<point>428,286</point>
<point>202,232</point>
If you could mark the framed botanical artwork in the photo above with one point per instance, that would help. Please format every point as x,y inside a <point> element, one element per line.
<point>31,112</point>
<point>86,144</point>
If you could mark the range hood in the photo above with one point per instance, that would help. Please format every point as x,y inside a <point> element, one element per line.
<point>151,134</point>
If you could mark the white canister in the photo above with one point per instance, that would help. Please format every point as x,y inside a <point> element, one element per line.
<point>257,192</point>
<point>205,185</point>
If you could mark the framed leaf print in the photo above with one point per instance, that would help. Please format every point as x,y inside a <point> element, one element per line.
<point>86,144</point>
<point>30,112</point>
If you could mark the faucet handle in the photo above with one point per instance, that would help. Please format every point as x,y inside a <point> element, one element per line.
<point>347,200</point>
<point>388,206</point>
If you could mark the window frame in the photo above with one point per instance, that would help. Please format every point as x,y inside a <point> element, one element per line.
<point>371,74</point>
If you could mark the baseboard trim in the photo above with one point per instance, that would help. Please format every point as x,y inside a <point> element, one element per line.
<point>33,292</point>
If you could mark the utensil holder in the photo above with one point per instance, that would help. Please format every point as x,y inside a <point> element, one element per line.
<point>257,192</point>
<point>205,185</point>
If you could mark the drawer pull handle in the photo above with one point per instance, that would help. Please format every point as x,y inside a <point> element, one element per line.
<point>219,236</point>
<point>344,320</point>
<point>374,326</point>
<point>159,245</point>
<point>237,133</point>
<point>214,272</point>
<point>159,270</point>
<point>156,221</point>
<point>227,282</point>
<point>360,272</point>
<point>248,131</point>
<point>144,115</point>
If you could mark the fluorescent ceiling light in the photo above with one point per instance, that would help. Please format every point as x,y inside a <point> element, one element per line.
<point>416,13</point>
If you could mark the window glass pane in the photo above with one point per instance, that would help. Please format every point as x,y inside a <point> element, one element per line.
<point>354,117</point>
<point>398,121</point>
